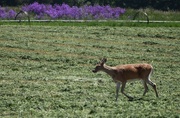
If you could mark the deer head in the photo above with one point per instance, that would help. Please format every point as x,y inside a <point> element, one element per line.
<point>100,65</point>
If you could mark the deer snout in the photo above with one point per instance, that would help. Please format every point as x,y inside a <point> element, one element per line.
<point>94,71</point>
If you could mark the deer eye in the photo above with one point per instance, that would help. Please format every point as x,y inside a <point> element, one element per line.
<point>98,67</point>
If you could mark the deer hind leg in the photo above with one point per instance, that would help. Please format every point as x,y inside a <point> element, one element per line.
<point>152,84</point>
<point>145,87</point>
<point>154,87</point>
<point>122,91</point>
<point>117,89</point>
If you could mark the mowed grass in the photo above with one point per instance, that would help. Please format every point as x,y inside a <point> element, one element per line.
<point>45,71</point>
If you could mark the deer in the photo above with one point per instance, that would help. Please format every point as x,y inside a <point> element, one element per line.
<point>124,73</point>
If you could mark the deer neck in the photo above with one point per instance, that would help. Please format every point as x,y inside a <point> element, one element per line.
<point>109,70</point>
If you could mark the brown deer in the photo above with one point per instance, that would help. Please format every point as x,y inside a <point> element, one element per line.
<point>123,73</point>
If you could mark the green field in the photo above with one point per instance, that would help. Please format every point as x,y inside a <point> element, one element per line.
<point>45,71</point>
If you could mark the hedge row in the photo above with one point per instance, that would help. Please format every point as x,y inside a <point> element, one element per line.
<point>136,4</point>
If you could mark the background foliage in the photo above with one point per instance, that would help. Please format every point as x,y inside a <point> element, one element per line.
<point>156,4</point>
<point>64,11</point>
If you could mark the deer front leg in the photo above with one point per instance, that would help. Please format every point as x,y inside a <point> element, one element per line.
<point>117,89</point>
<point>122,91</point>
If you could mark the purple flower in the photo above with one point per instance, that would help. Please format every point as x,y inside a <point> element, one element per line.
<point>5,13</point>
<point>2,13</point>
<point>11,14</point>
<point>64,11</point>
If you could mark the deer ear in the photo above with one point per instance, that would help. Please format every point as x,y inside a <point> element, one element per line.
<point>104,60</point>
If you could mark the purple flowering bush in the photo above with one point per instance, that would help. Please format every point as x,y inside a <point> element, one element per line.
<point>64,11</point>
<point>6,13</point>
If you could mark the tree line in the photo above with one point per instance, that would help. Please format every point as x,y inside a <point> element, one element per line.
<point>135,4</point>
